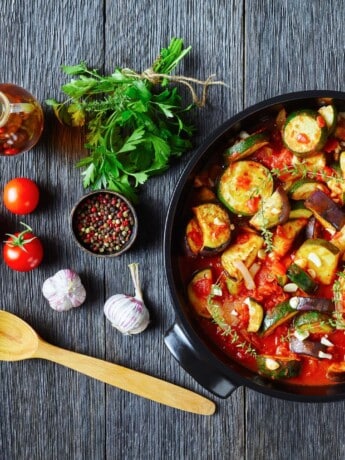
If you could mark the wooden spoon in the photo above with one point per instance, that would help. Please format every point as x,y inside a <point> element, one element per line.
<point>19,341</point>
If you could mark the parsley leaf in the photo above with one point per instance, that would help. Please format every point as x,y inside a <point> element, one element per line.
<point>134,124</point>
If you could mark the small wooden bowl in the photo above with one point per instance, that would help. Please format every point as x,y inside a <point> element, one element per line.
<point>104,223</point>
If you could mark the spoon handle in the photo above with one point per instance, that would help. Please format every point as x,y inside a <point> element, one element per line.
<point>126,379</point>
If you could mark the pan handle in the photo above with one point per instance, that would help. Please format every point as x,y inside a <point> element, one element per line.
<point>202,371</point>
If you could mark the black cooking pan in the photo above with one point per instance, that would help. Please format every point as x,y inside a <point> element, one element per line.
<point>194,351</point>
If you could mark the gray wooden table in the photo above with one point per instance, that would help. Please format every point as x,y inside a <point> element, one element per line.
<point>260,48</point>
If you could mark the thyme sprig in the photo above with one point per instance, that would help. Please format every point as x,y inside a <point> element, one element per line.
<point>302,171</point>
<point>337,288</point>
<point>227,330</point>
<point>286,338</point>
<point>266,233</point>
<point>338,320</point>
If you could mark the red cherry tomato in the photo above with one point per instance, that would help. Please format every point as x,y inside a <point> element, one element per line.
<point>23,251</point>
<point>21,195</point>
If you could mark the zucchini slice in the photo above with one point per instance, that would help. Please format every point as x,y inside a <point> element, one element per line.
<point>313,163</point>
<point>300,213</point>
<point>278,367</point>
<point>325,210</point>
<point>305,132</point>
<point>313,322</point>
<point>275,210</point>
<point>215,225</point>
<point>256,314</point>
<point>321,257</point>
<point>303,188</point>
<point>246,147</point>
<point>276,316</point>
<point>303,280</point>
<point>336,184</point>
<point>198,291</point>
<point>209,231</point>
<point>243,185</point>
<point>246,252</point>
<point>193,237</point>
<point>286,234</point>
<point>330,114</point>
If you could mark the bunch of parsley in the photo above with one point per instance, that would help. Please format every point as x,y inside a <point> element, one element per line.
<point>134,124</point>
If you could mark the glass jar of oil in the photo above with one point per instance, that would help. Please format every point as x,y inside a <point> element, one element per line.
<point>21,120</point>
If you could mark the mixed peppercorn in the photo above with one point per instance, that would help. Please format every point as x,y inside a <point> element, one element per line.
<point>104,223</point>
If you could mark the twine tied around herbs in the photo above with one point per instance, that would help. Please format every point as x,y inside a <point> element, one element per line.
<point>156,78</point>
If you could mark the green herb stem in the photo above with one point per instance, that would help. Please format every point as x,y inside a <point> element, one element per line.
<point>226,328</point>
<point>135,123</point>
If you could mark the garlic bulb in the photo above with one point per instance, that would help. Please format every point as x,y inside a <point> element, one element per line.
<point>64,290</point>
<point>128,314</point>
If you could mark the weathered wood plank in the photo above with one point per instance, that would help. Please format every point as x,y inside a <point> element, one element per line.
<point>47,411</point>
<point>281,430</point>
<point>214,31</point>
<point>292,46</point>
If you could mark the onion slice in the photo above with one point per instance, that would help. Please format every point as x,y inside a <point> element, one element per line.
<point>247,277</point>
<point>253,270</point>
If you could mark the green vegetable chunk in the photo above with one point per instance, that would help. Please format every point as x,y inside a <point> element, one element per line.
<point>305,132</point>
<point>245,252</point>
<point>256,314</point>
<point>303,280</point>
<point>275,210</point>
<point>313,322</point>
<point>329,113</point>
<point>215,225</point>
<point>321,257</point>
<point>198,291</point>
<point>243,185</point>
<point>278,367</point>
<point>303,188</point>
<point>284,239</point>
<point>276,316</point>
<point>246,147</point>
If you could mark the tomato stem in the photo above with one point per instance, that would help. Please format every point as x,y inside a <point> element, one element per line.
<point>19,240</point>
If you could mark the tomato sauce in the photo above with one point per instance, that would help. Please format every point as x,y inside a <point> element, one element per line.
<point>257,283</point>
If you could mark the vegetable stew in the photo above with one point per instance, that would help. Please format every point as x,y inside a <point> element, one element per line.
<point>264,247</point>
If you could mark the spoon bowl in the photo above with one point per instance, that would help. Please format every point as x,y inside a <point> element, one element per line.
<point>19,341</point>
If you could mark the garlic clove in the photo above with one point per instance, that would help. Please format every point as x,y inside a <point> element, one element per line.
<point>64,290</point>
